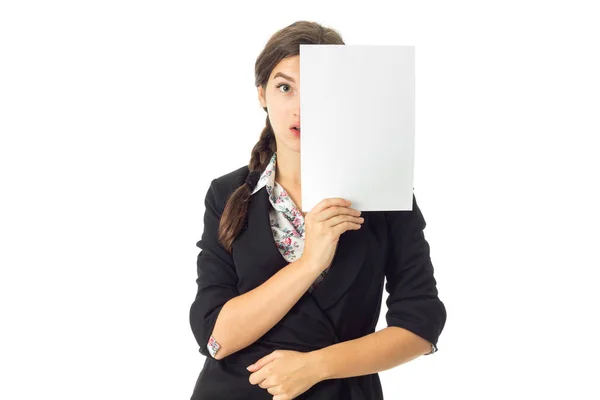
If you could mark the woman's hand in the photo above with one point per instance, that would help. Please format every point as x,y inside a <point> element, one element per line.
<point>285,374</point>
<point>323,226</point>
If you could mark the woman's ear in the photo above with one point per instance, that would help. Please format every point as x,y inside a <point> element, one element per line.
<point>261,96</point>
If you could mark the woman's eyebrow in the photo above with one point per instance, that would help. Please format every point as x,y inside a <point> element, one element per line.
<point>284,76</point>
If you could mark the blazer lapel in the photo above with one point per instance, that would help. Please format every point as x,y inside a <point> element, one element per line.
<point>350,256</point>
<point>257,237</point>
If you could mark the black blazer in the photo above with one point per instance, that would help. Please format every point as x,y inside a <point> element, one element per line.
<point>344,306</point>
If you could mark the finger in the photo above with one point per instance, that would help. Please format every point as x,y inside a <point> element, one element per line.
<point>344,226</point>
<point>257,377</point>
<point>332,201</point>
<point>339,219</point>
<point>262,362</point>
<point>337,210</point>
<point>281,397</point>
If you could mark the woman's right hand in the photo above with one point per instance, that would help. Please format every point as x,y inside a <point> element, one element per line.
<point>323,226</point>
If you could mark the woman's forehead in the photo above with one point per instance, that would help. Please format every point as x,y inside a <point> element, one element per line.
<point>289,68</point>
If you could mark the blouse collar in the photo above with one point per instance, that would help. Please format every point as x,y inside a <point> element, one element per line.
<point>278,196</point>
<point>267,178</point>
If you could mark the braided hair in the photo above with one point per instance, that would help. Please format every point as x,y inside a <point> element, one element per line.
<point>234,215</point>
<point>252,179</point>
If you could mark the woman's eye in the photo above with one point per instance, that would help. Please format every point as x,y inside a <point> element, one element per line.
<point>283,84</point>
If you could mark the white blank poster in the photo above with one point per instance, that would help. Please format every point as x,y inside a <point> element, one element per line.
<point>357,117</point>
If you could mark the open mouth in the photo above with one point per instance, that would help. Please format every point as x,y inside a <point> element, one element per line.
<point>295,129</point>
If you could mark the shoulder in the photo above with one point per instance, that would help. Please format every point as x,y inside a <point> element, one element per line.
<point>406,219</point>
<point>221,187</point>
<point>233,179</point>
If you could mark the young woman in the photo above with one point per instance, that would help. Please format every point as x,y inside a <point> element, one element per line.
<point>287,302</point>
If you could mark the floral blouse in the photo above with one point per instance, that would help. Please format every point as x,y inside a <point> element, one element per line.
<point>287,224</point>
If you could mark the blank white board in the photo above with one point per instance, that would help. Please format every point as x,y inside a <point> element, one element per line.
<point>357,118</point>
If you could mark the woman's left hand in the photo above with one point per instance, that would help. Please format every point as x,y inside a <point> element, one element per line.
<point>285,373</point>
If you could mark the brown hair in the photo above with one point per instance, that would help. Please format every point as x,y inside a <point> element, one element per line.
<point>284,43</point>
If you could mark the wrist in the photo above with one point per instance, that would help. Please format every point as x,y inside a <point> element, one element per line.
<point>307,265</point>
<point>318,364</point>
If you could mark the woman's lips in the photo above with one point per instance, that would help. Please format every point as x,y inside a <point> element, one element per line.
<point>295,132</point>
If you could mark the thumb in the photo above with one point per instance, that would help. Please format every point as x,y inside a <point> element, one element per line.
<point>260,363</point>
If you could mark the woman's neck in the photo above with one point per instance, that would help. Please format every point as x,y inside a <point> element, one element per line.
<point>287,167</point>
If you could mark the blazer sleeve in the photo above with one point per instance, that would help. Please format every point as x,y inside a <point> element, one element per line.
<point>217,278</point>
<point>413,302</point>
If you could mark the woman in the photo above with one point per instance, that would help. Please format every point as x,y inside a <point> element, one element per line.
<point>287,302</point>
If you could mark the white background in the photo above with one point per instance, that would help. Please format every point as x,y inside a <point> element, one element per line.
<point>116,115</point>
